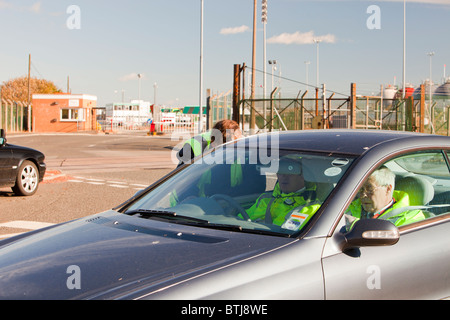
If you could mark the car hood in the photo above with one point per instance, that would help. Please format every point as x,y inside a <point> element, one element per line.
<point>112,255</point>
<point>23,149</point>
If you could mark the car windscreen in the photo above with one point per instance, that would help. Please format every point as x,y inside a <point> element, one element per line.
<point>240,188</point>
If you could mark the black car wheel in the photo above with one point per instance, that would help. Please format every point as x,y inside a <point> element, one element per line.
<point>27,179</point>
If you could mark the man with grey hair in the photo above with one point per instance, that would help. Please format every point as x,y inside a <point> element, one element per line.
<point>377,198</point>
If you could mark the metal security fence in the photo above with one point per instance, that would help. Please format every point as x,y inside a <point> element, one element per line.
<point>15,116</point>
<point>355,112</point>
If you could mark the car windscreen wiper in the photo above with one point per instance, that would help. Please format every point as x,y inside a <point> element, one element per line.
<point>147,213</point>
<point>196,222</point>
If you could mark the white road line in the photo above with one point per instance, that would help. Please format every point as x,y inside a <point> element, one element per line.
<point>139,185</point>
<point>31,225</point>
<point>20,224</point>
<point>109,183</point>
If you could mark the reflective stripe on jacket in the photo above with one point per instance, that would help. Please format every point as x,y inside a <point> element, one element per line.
<point>274,207</point>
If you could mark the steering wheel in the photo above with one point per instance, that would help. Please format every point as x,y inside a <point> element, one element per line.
<point>231,202</point>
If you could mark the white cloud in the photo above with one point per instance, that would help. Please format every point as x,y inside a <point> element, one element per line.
<point>131,76</point>
<point>234,30</point>
<point>36,8</point>
<point>301,38</point>
<point>5,5</point>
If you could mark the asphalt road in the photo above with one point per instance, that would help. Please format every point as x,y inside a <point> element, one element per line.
<point>86,174</point>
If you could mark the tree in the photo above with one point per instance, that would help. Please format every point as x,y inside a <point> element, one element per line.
<point>17,89</point>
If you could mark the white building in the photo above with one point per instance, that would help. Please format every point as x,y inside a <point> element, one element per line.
<point>128,114</point>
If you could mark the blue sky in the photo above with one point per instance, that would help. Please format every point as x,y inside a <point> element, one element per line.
<point>160,39</point>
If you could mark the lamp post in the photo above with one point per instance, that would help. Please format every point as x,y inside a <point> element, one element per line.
<point>273,63</point>
<point>252,110</point>
<point>430,54</point>
<point>307,63</point>
<point>200,111</point>
<point>317,41</point>
<point>404,49</point>
<point>139,86</point>
<point>264,21</point>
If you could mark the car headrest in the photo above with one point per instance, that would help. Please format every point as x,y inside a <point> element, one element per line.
<point>419,189</point>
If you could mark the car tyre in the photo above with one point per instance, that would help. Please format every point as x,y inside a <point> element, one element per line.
<point>27,179</point>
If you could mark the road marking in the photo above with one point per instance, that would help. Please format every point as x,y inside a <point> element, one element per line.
<point>20,224</point>
<point>118,185</point>
<point>109,183</point>
<point>139,185</point>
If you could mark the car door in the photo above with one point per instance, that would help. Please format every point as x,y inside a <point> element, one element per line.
<point>5,165</point>
<point>417,266</point>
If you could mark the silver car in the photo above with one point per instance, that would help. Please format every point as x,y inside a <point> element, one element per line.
<point>200,233</point>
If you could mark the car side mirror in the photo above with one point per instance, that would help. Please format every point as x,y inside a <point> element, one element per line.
<point>371,232</point>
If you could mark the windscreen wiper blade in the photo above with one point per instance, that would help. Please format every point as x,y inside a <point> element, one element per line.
<point>147,213</point>
<point>162,213</point>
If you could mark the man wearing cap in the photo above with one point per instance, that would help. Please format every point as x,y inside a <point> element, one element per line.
<point>291,204</point>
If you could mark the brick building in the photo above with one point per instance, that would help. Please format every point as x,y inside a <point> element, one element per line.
<point>64,112</point>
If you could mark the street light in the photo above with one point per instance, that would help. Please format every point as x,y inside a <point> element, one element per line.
<point>155,86</point>
<point>307,63</point>
<point>264,21</point>
<point>404,49</point>
<point>317,41</point>
<point>273,63</point>
<point>139,89</point>
<point>200,109</point>
<point>430,54</point>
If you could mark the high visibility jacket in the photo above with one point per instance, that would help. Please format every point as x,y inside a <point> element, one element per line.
<point>401,199</point>
<point>289,210</point>
<point>197,145</point>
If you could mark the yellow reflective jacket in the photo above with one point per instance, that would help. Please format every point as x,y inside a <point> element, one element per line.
<point>401,200</point>
<point>289,210</point>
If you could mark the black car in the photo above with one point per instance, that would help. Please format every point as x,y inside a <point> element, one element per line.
<point>21,168</point>
<point>194,235</point>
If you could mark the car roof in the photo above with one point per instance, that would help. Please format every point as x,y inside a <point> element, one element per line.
<point>343,141</point>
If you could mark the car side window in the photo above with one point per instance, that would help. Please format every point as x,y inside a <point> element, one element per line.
<point>407,189</point>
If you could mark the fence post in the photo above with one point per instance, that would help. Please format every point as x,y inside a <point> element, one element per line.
<point>422,108</point>
<point>236,92</point>
<point>410,124</point>
<point>302,112</point>
<point>353,106</point>
<point>448,121</point>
